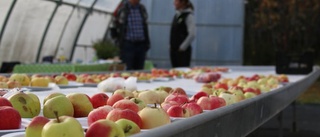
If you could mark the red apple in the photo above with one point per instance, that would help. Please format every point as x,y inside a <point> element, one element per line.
<point>178,90</point>
<point>99,99</point>
<point>99,113</point>
<point>179,98</point>
<point>253,90</point>
<point>117,114</point>
<point>221,85</point>
<point>10,118</point>
<point>104,128</point>
<point>166,105</point>
<point>126,104</point>
<point>178,111</point>
<point>5,102</point>
<point>114,98</point>
<point>211,102</point>
<point>34,129</point>
<point>193,108</point>
<point>199,94</point>
<point>71,77</point>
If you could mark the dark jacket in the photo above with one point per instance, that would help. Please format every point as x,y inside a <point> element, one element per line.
<point>118,31</point>
<point>179,31</point>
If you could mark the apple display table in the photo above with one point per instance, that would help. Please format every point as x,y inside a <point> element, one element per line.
<point>234,120</point>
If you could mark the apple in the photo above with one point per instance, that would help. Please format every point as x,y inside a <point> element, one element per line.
<point>99,113</point>
<point>149,97</point>
<point>61,80</point>
<point>139,102</point>
<point>128,126</point>
<point>13,84</point>
<point>153,117</point>
<point>193,108</point>
<point>114,98</point>
<point>3,85</point>
<point>179,98</point>
<point>24,104</point>
<point>199,94</point>
<point>81,104</point>
<point>99,99</point>
<point>219,85</point>
<point>162,95</point>
<point>34,128</point>
<point>52,95</point>
<point>10,118</point>
<point>124,92</point>
<point>254,90</point>
<point>167,89</point>
<point>39,82</point>
<point>117,114</point>
<point>36,101</point>
<point>211,102</point>
<point>178,90</point>
<point>5,102</point>
<point>71,77</point>
<point>60,104</point>
<point>63,126</point>
<point>248,95</point>
<point>50,79</point>
<point>228,97</point>
<point>126,104</point>
<point>105,128</point>
<point>22,78</point>
<point>178,111</point>
<point>166,105</point>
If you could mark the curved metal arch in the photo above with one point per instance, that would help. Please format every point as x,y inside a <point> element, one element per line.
<point>7,19</point>
<point>58,3</point>
<point>89,10</point>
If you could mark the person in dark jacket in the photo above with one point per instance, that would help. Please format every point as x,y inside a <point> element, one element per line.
<point>131,33</point>
<point>182,34</point>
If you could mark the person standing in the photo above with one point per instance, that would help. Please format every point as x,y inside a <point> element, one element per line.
<point>131,31</point>
<point>182,34</point>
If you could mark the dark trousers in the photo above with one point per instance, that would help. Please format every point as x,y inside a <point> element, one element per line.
<point>180,58</point>
<point>133,54</point>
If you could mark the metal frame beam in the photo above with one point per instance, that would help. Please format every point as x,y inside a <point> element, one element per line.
<point>58,3</point>
<point>7,19</point>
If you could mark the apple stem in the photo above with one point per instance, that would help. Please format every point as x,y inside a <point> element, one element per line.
<point>155,105</point>
<point>127,129</point>
<point>57,117</point>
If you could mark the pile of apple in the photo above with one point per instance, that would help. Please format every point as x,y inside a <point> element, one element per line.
<point>17,80</point>
<point>240,88</point>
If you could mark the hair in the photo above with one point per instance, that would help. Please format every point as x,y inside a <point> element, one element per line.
<point>188,4</point>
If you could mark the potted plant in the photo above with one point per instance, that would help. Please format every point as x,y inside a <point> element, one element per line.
<point>105,49</point>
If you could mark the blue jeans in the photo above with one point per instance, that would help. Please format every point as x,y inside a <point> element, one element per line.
<point>133,54</point>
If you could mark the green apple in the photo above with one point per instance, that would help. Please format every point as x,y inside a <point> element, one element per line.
<point>228,97</point>
<point>149,97</point>
<point>124,93</point>
<point>63,126</point>
<point>34,128</point>
<point>248,95</point>
<point>81,104</point>
<point>24,104</point>
<point>61,80</point>
<point>139,102</point>
<point>54,94</point>
<point>3,85</point>
<point>39,82</point>
<point>22,78</point>
<point>60,104</point>
<point>153,117</point>
<point>104,128</point>
<point>36,101</point>
<point>162,95</point>
<point>128,126</point>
